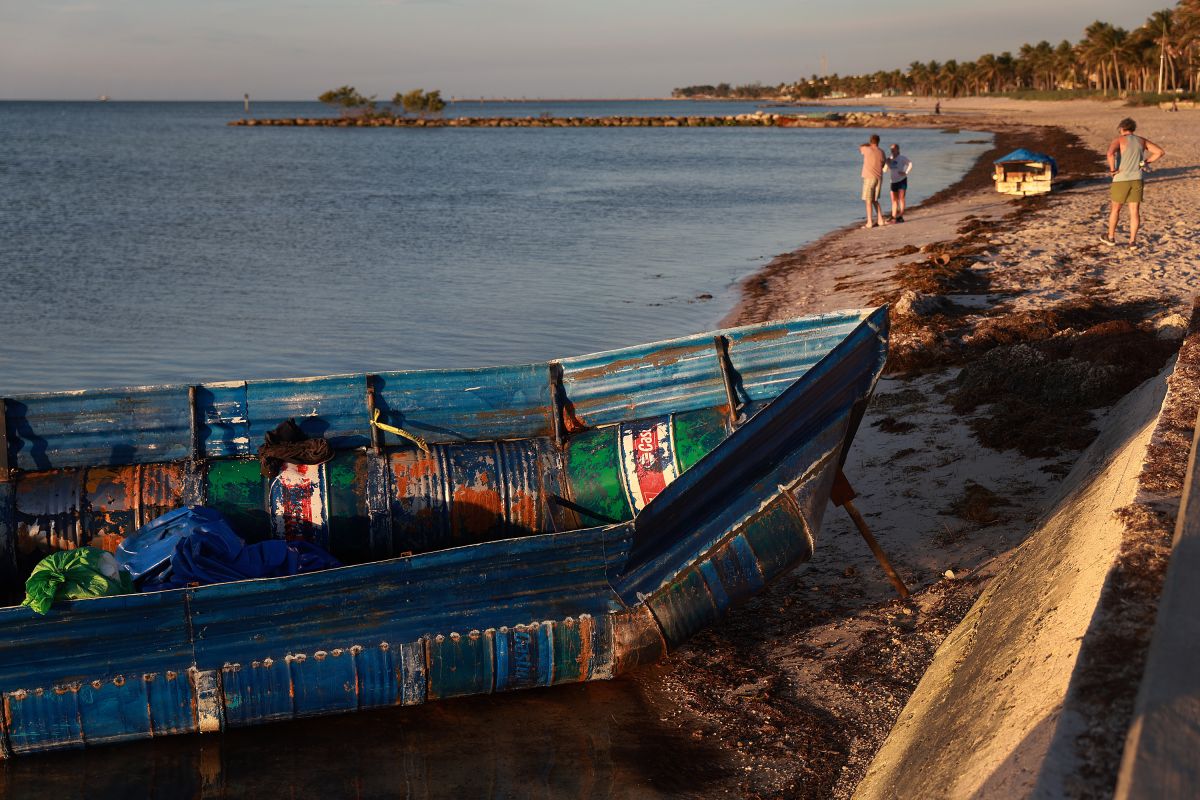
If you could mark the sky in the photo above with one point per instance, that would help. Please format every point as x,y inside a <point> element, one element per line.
<point>296,49</point>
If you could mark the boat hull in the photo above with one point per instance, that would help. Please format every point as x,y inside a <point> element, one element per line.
<point>500,615</point>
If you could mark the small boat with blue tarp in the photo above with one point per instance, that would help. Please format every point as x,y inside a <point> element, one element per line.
<point>1024,172</point>
<point>500,528</point>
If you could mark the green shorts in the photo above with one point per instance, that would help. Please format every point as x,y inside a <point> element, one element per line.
<point>1126,192</point>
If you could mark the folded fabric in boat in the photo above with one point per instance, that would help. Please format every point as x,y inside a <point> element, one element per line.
<point>146,554</point>
<point>203,549</point>
<point>215,556</point>
<point>75,575</point>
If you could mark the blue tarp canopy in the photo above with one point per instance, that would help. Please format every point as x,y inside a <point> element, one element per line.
<point>1021,154</point>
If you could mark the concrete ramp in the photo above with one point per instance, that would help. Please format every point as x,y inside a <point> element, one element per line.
<point>981,722</point>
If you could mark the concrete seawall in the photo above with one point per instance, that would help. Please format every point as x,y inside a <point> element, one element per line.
<point>1031,694</point>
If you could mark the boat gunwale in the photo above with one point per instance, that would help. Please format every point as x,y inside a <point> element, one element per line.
<point>862,313</point>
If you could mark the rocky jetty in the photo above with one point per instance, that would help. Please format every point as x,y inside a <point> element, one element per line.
<point>851,119</point>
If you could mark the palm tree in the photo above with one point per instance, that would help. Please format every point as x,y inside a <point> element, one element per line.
<point>918,73</point>
<point>933,69</point>
<point>1104,43</point>
<point>1160,29</point>
<point>1008,70</point>
<point>1026,67</point>
<point>948,79</point>
<point>968,77</point>
<point>1065,64</point>
<point>989,72</point>
<point>1187,20</point>
<point>1043,64</point>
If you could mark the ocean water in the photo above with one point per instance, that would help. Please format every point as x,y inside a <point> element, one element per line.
<point>152,243</point>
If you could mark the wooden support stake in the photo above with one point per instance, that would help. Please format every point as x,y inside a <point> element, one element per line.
<point>376,434</point>
<point>843,495</point>
<point>727,377</point>
<point>557,391</point>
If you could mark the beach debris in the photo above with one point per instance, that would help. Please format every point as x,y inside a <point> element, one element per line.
<point>917,304</point>
<point>978,504</point>
<point>901,398</point>
<point>1039,392</point>
<point>1171,327</point>
<point>948,574</point>
<point>893,425</point>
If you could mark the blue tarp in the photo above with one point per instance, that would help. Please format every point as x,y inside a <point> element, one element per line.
<point>1021,154</point>
<point>195,545</point>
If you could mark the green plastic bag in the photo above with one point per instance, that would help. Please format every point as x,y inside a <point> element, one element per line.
<point>75,575</point>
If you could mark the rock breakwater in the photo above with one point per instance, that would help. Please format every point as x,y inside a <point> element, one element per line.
<point>759,119</point>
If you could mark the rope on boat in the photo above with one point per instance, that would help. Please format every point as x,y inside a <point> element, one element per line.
<point>383,426</point>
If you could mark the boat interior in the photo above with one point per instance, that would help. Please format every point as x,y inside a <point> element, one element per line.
<point>422,461</point>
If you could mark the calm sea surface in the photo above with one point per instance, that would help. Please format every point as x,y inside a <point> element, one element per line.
<point>151,243</point>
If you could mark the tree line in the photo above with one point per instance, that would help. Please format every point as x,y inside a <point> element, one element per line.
<point>352,102</point>
<point>1162,55</point>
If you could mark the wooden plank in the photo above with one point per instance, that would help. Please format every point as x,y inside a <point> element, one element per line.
<point>1160,760</point>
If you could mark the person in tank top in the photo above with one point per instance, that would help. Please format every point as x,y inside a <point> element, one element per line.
<point>1128,156</point>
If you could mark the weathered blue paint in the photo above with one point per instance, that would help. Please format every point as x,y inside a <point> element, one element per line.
<point>468,404</point>
<point>10,576</point>
<point>520,604</point>
<point>332,407</point>
<point>647,381</point>
<point>223,420</point>
<point>524,656</point>
<point>135,425</point>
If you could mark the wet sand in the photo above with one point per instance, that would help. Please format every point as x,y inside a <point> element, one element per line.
<point>955,465</point>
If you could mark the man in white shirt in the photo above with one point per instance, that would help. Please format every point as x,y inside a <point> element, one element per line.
<point>898,167</point>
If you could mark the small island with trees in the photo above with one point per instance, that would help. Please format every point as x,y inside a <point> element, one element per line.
<point>416,101</point>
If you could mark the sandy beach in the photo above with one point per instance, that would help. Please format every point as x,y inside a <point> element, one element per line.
<point>1017,334</point>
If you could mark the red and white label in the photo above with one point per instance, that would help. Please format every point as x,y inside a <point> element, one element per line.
<point>298,503</point>
<point>647,461</point>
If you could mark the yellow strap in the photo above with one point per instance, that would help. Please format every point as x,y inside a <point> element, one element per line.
<point>383,426</point>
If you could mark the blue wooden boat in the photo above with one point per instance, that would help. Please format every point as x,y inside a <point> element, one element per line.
<point>561,522</point>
